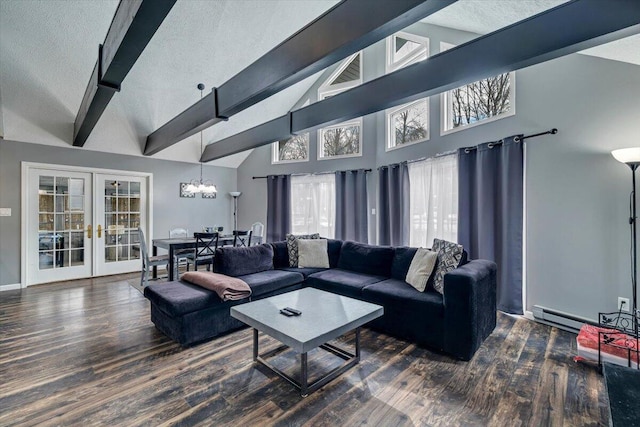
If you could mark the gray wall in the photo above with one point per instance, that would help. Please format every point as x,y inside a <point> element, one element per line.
<point>577,237</point>
<point>169,210</point>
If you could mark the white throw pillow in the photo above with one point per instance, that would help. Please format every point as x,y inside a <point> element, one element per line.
<point>421,268</point>
<point>312,253</point>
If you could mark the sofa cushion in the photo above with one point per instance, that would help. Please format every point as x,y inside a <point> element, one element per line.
<point>292,246</point>
<point>306,272</point>
<point>313,253</point>
<point>399,294</point>
<point>271,280</point>
<point>424,261</point>
<point>233,261</point>
<point>367,259</point>
<point>402,257</point>
<point>449,256</point>
<point>343,282</point>
<point>280,254</point>
<point>334,247</point>
<point>177,298</point>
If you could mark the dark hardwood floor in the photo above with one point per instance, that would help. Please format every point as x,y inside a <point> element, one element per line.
<point>86,353</point>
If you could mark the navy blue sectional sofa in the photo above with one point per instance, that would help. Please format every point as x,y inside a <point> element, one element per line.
<point>456,322</point>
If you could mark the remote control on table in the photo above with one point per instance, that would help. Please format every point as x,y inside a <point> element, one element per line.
<point>293,310</point>
<point>286,312</point>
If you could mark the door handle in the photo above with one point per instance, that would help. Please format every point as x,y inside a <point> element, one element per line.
<point>99,231</point>
<point>89,231</point>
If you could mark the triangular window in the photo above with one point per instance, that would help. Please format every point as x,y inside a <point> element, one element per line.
<point>404,49</point>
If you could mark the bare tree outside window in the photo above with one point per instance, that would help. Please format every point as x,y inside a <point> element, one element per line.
<point>341,141</point>
<point>481,100</point>
<point>410,124</point>
<point>295,148</point>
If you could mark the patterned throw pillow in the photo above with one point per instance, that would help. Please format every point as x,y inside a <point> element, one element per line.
<point>449,256</point>
<point>292,246</point>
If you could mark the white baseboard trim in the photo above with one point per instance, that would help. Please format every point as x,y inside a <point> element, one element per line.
<point>529,315</point>
<point>10,287</point>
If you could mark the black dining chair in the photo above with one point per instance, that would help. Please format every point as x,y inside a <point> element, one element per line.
<point>205,249</point>
<point>241,238</point>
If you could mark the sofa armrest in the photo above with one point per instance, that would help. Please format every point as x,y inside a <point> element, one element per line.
<point>469,307</point>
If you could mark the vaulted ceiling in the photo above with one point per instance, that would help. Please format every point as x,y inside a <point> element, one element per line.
<point>48,50</point>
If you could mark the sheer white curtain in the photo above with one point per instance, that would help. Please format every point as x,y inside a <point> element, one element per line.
<point>313,199</point>
<point>433,200</point>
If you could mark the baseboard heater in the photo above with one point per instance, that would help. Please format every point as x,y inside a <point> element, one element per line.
<point>560,319</point>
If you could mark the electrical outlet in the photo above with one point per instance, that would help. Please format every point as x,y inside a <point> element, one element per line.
<point>623,304</point>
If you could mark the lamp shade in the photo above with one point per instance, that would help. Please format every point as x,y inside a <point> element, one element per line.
<point>235,193</point>
<point>627,155</point>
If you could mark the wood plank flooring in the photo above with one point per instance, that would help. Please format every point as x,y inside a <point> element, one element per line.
<point>85,353</point>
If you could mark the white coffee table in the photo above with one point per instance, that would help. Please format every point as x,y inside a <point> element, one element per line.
<point>325,316</point>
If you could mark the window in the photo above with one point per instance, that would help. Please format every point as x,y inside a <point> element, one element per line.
<point>294,149</point>
<point>343,139</point>
<point>404,49</point>
<point>409,123</point>
<point>479,102</point>
<point>313,204</point>
<point>433,200</point>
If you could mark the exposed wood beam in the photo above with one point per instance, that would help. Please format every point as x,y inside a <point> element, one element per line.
<point>568,28</point>
<point>344,29</point>
<point>133,25</point>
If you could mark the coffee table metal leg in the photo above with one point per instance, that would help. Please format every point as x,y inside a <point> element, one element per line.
<point>303,385</point>
<point>255,345</point>
<point>303,375</point>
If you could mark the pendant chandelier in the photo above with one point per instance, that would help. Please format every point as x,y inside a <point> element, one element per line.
<point>201,186</point>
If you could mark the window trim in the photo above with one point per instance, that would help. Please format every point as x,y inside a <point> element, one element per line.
<point>391,65</point>
<point>390,134</point>
<point>445,110</point>
<point>327,89</point>
<point>348,123</point>
<point>275,152</point>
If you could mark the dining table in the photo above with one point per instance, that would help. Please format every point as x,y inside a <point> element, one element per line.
<point>172,245</point>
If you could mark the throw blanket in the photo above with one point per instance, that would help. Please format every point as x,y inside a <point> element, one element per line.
<point>228,288</point>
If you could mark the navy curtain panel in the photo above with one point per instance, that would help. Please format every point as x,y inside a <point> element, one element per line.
<point>278,207</point>
<point>351,206</point>
<point>490,192</point>
<point>393,204</point>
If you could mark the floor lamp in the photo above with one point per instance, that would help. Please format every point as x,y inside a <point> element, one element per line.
<point>631,157</point>
<point>235,195</point>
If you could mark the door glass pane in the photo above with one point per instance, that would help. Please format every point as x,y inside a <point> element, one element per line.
<point>62,185</point>
<point>55,221</point>
<point>77,257</point>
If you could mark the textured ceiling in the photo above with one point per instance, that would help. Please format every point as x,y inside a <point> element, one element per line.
<point>48,50</point>
<point>485,16</point>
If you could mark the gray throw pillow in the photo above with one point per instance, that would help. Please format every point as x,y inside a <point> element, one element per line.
<point>449,256</point>
<point>292,246</point>
<point>312,253</point>
<point>421,267</point>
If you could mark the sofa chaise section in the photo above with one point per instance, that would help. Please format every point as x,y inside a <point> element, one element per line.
<point>188,314</point>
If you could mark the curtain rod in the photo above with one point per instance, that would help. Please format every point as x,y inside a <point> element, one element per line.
<point>516,139</point>
<point>317,173</point>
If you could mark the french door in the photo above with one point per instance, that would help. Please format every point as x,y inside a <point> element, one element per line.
<point>120,203</point>
<point>83,224</point>
<point>60,218</point>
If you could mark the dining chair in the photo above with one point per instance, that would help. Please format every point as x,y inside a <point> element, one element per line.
<point>241,238</point>
<point>206,245</point>
<point>180,256</point>
<point>257,230</point>
<point>148,262</point>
